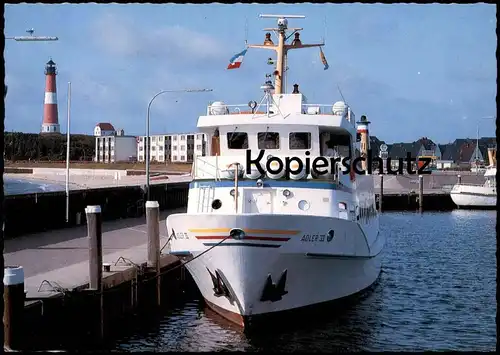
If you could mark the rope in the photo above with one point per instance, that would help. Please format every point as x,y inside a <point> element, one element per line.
<point>187,262</point>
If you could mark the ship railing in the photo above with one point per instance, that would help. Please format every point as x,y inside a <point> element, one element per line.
<point>223,168</point>
<point>306,109</point>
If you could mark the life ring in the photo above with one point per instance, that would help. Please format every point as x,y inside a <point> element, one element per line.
<point>232,165</point>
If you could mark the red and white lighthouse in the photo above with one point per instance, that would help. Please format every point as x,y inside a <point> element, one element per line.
<point>50,122</point>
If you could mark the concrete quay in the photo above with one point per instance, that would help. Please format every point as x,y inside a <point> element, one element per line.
<point>80,180</point>
<point>60,309</point>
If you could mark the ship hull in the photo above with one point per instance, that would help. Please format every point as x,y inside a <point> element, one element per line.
<point>474,196</point>
<point>272,271</point>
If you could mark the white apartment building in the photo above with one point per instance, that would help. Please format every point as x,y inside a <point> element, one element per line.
<point>111,149</point>
<point>175,148</point>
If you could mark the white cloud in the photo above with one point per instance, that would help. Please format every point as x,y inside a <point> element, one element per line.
<point>123,37</point>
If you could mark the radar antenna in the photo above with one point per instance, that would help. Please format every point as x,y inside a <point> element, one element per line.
<point>281,47</point>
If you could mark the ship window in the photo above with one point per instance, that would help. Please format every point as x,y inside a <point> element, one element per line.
<point>300,140</point>
<point>237,140</point>
<point>269,140</point>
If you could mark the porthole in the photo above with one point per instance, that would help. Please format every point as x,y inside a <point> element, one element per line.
<point>304,205</point>
<point>216,204</point>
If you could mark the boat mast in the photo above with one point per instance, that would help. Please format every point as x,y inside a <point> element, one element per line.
<point>282,48</point>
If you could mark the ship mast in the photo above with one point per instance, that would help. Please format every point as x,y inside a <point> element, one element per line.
<point>282,48</point>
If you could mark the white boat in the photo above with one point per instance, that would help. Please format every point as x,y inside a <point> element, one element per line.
<point>478,196</point>
<point>259,243</point>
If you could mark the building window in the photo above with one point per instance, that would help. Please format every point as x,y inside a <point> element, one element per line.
<point>183,158</point>
<point>141,148</point>
<point>174,147</point>
<point>190,157</point>
<point>174,138</point>
<point>199,136</point>
<point>153,148</point>
<point>160,139</point>
<point>174,158</point>
<point>153,139</point>
<point>183,138</point>
<point>237,140</point>
<point>198,147</point>
<point>299,140</point>
<point>141,139</point>
<point>183,148</point>
<point>160,148</point>
<point>268,140</point>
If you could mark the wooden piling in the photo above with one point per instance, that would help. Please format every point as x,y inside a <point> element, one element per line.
<point>153,225</point>
<point>421,193</point>
<point>13,298</point>
<point>94,233</point>
<point>381,195</point>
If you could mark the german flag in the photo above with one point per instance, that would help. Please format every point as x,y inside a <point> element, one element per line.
<point>323,58</point>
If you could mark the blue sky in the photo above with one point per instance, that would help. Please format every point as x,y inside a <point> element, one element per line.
<point>414,70</point>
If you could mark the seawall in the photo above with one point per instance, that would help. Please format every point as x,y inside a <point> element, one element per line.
<point>32,213</point>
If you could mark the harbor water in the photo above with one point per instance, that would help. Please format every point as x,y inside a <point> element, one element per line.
<point>20,186</point>
<point>436,292</point>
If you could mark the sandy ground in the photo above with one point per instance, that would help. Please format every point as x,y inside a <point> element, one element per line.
<point>78,182</point>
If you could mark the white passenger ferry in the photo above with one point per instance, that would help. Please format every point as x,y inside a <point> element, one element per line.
<point>261,242</point>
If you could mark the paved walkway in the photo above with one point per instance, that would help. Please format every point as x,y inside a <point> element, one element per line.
<point>79,182</point>
<point>62,255</point>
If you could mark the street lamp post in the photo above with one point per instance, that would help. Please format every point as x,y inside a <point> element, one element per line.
<point>32,38</point>
<point>147,145</point>
<point>67,154</point>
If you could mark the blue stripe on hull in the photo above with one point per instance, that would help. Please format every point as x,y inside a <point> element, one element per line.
<point>323,185</point>
<point>243,245</point>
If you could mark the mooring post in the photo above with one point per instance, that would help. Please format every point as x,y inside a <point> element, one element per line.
<point>13,300</point>
<point>421,192</point>
<point>459,179</point>
<point>153,223</point>
<point>381,195</point>
<point>94,230</point>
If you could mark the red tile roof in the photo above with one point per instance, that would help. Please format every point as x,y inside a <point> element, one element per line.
<point>105,126</point>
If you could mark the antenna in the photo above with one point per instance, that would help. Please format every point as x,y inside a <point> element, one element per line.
<point>324,35</point>
<point>342,96</point>
<point>246,30</point>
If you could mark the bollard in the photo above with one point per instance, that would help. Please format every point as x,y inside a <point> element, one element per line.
<point>381,196</point>
<point>421,192</point>
<point>94,230</point>
<point>153,223</point>
<point>459,179</point>
<point>95,246</point>
<point>13,300</point>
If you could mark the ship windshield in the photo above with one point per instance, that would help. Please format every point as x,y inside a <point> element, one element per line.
<point>299,140</point>
<point>269,140</point>
<point>341,143</point>
<point>237,140</point>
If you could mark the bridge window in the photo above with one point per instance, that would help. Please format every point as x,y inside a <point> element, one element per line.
<point>237,140</point>
<point>269,140</point>
<point>300,140</point>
